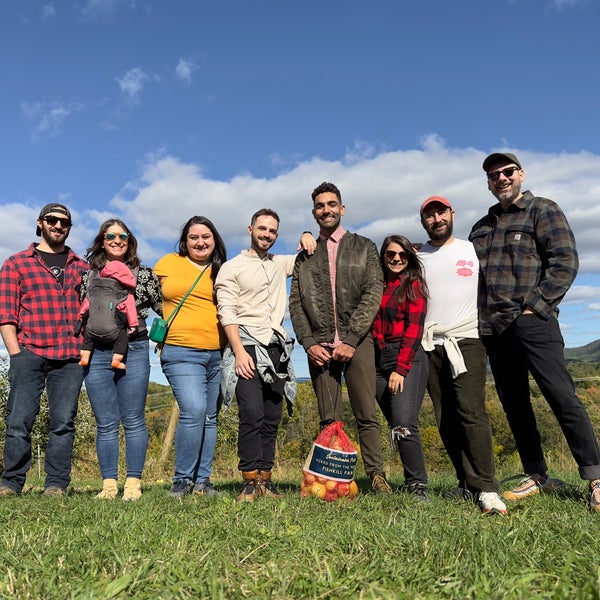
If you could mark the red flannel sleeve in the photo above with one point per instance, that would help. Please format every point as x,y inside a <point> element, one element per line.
<point>413,313</point>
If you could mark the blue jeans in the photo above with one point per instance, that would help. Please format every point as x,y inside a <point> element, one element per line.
<point>402,410</point>
<point>28,374</point>
<point>119,396</point>
<point>194,375</point>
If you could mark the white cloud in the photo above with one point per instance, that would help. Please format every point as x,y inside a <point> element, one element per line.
<point>106,9</point>
<point>583,293</point>
<point>184,70</point>
<point>382,191</point>
<point>48,117</point>
<point>566,4</point>
<point>132,83</point>
<point>99,8</point>
<point>48,11</point>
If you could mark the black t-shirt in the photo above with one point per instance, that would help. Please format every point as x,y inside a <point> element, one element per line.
<point>56,262</point>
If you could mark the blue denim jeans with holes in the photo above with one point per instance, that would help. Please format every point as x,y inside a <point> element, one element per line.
<point>28,374</point>
<point>194,376</point>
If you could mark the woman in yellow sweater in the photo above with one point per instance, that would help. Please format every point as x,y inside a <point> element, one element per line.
<point>191,355</point>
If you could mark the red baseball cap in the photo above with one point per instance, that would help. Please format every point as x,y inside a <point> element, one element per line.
<point>434,199</point>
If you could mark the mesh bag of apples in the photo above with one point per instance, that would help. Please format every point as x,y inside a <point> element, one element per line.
<point>328,471</point>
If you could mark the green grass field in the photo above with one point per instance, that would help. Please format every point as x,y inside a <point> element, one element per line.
<point>372,547</point>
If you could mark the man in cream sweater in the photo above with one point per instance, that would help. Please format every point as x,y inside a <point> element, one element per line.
<point>252,299</point>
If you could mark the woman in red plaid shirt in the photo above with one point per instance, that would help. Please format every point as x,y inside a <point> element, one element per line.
<point>401,363</point>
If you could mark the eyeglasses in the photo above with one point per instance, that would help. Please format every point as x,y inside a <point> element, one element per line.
<point>508,173</point>
<point>52,221</point>
<point>391,255</point>
<point>113,236</point>
<point>431,214</point>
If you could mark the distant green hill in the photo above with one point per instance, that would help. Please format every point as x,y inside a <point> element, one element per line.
<point>588,353</point>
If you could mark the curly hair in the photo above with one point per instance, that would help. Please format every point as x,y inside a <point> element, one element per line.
<point>413,271</point>
<point>219,255</point>
<point>326,186</point>
<point>96,255</point>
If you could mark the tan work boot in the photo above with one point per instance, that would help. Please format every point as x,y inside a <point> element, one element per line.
<point>265,486</point>
<point>380,485</point>
<point>133,489</point>
<point>250,487</point>
<point>109,489</point>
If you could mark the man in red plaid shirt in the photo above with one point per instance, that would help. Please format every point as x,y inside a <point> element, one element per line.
<point>39,306</point>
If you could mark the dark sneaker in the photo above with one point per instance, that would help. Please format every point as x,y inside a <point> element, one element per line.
<point>249,491</point>
<point>380,485</point>
<point>595,495</point>
<point>457,493</point>
<point>490,503</point>
<point>6,490</point>
<point>530,487</point>
<point>417,490</point>
<point>180,489</point>
<point>53,491</point>
<point>204,488</point>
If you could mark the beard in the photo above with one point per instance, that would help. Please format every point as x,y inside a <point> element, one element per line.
<point>443,233</point>
<point>56,242</point>
<point>508,195</point>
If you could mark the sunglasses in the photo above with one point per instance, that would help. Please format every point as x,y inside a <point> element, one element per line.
<point>391,255</point>
<point>113,236</point>
<point>508,173</point>
<point>52,221</point>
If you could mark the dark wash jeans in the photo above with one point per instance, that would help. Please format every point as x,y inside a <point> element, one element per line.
<point>402,410</point>
<point>28,374</point>
<point>459,406</point>
<point>531,344</point>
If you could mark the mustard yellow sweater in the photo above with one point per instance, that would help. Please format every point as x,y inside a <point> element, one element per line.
<point>196,324</point>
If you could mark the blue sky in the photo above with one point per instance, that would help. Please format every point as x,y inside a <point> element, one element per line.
<point>154,111</point>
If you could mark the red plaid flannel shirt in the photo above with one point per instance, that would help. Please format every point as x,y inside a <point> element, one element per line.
<point>400,322</point>
<point>43,311</point>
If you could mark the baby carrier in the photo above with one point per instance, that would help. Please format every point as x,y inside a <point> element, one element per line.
<point>104,294</point>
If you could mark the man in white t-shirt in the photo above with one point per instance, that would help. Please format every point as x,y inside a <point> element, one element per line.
<point>457,359</point>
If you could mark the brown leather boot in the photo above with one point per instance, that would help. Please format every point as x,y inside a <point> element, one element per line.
<point>266,486</point>
<point>250,487</point>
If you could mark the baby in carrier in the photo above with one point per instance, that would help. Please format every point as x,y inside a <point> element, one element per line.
<point>108,314</point>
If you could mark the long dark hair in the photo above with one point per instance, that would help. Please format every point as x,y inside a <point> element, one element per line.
<point>413,271</point>
<point>219,255</point>
<point>96,255</point>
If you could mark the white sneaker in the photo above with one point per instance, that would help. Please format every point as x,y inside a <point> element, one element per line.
<point>491,504</point>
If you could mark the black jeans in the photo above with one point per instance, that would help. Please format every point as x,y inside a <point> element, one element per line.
<point>259,406</point>
<point>459,406</point>
<point>531,344</point>
<point>402,410</point>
